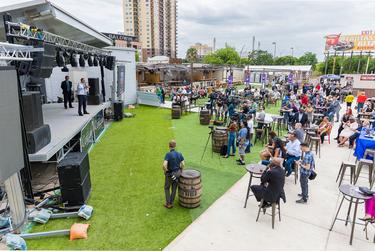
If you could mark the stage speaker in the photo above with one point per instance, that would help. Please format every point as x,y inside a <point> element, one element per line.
<point>38,138</point>
<point>118,110</point>
<point>74,177</point>
<point>94,86</point>
<point>94,99</point>
<point>32,110</point>
<point>44,62</point>
<point>24,67</point>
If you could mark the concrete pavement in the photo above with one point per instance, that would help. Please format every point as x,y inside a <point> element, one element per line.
<point>227,225</point>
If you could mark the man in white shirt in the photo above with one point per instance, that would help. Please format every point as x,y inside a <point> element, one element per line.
<point>82,89</point>
<point>293,152</point>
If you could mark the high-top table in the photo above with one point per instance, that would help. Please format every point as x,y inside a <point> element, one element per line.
<point>353,195</point>
<point>255,171</point>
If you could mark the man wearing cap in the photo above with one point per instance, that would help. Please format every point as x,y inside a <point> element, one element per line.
<point>172,166</point>
<point>293,152</point>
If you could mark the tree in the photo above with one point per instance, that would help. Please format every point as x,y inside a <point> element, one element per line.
<point>192,55</point>
<point>260,57</point>
<point>224,56</point>
<point>308,58</point>
<point>136,56</point>
<point>285,60</point>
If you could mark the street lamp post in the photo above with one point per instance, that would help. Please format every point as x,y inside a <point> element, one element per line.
<point>274,49</point>
<point>292,51</point>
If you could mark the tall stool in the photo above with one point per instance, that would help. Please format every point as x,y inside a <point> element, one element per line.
<point>273,206</point>
<point>361,163</point>
<point>342,171</point>
<point>369,152</point>
<point>295,172</point>
<point>309,134</point>
<point>315,144</point>
<point>259,134</point>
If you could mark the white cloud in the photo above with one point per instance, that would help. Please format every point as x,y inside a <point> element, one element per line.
<point>301,24</point>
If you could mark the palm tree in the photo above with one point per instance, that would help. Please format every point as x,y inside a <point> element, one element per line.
<point>191,57</point>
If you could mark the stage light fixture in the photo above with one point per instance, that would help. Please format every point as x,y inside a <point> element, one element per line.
<point>82,62</point>
<point>60,60</point>
<point>96,62</point>
<point>86,56</point>
<point>89,61</point>
<point>73,60</point>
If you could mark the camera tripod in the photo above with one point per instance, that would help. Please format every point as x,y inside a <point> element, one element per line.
<point>208,140</point>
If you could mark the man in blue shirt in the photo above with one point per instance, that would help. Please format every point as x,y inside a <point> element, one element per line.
<point>172,166</point>
<point>306,166</point>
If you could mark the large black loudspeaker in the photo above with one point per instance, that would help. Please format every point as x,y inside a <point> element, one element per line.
<point>38,138</point>
<point>118,110</point>
<point>94,86</point>
<point>94,99</point>
<point>74,177</point>
<point>32,110</point>
<point>44,62</point>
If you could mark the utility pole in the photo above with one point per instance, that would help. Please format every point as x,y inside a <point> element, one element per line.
<point>292,51</point>
<point>214,48</point>
<point>258,45</point>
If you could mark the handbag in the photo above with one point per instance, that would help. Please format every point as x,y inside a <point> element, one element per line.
<point>313,175</point>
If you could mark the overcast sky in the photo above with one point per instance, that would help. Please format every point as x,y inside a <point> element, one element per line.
<point>301,24</point>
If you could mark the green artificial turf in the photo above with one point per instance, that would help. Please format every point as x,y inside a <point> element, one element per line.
<point>127,184</point>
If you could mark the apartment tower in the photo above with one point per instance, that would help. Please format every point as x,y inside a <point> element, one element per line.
<point>154,23</point>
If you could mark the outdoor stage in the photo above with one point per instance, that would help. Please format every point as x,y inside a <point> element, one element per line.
<point>65,126</point>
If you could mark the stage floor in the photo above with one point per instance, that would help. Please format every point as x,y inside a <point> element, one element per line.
<point>64,124</point>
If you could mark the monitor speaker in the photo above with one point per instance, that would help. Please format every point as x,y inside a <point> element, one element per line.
<point>74,177</point>
<point>94,99</point>
<point>118,110</point>
<point>94,86</point>
<point>44,62</point>
<point>32,110</point>
<point>38,138</point>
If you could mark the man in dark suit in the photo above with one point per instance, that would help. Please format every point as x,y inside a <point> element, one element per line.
<point>66,87</point>
<point>301,117</point>
<point>271,188</point>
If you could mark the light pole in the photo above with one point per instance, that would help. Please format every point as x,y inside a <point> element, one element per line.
<point>274,49</point>
<point>292,51</point>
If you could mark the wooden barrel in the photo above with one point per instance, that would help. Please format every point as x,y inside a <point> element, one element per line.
<point>190,188</point>
<point>219,139</point>
<point>205,117</point>
<point>176,112</point>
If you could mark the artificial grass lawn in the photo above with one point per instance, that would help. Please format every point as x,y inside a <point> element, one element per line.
<point>127,184</point>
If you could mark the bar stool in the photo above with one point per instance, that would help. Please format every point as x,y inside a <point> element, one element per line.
<point>369,152</point>
<point>309,134</point>
<point>315,143</point>
<point>273,205</point>
<point>296,168</point>
<point>365,162</point>
<point>342,171</point>
<point>259,134</point>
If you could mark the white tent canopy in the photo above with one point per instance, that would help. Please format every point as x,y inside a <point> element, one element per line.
<point>279,68</point>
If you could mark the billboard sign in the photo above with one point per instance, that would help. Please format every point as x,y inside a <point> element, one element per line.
<point>361,42</point>
<point>367,77</point>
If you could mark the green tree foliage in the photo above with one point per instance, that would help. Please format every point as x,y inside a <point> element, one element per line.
<point>136,56</point>
<point>308,58</point>
<point>260,57</point>
<point>224,56</point>
<point>192,55</point>
<point>347,65</point>
<point>285,60</point>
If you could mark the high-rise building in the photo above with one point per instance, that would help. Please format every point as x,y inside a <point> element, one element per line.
<point>154,23</point>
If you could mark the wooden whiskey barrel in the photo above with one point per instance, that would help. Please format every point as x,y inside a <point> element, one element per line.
<point>176,112</point>
<point>205,117</point>
<point>219,139</point>
<point>190,188</point>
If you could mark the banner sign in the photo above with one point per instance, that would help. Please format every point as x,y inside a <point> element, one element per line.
<point>361,42</point>
<point>367,77</point>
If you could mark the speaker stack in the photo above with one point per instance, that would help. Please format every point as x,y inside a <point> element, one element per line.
<point>38,134</point>
<point>74,177</point>
<point>43,62</point>
<point>94,97</point>
<point>118,110</point>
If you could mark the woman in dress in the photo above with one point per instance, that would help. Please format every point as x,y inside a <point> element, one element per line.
<point>323,129</point>
<point>349,129</point>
